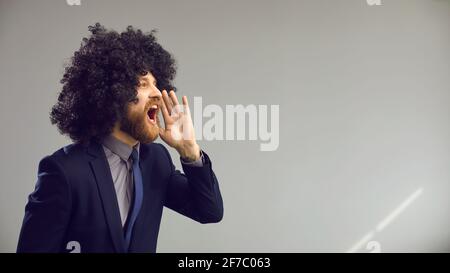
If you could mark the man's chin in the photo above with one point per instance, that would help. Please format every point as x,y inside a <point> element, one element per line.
<point>143,131</point>
<point>150,136</point>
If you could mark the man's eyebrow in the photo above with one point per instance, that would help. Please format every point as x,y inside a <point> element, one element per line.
<point>145,79</point>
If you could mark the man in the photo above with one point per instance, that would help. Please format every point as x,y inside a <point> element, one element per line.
<point>106,191</point>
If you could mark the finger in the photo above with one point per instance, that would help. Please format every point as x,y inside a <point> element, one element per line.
<point>166,101</point>
<point>173,97</point>
<point>186,106</point>
<point>165,113</point>
<point>187,126</point>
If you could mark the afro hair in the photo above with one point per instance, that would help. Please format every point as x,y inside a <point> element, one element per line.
<point>102,78</point>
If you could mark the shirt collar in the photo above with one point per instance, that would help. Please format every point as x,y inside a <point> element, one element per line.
<point>118,147</point>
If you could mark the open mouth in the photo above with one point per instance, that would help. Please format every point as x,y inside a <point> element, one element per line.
<point>152,114</point>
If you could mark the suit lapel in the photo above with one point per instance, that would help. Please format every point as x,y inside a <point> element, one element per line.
<point>102,173</point>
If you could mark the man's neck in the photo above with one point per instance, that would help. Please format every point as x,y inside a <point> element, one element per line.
<point>124,137</point>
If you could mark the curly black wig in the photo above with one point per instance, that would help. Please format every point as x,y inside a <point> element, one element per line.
<point>102,78</point>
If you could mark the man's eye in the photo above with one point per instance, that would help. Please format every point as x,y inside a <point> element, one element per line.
<point>143,84</point>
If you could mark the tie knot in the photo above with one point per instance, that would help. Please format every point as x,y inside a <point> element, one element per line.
<point>135,155</point>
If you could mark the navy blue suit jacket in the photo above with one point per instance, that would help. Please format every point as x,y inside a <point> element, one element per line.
<point>74,203</point>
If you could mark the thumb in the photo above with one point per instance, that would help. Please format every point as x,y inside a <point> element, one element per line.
<point>163,134</point>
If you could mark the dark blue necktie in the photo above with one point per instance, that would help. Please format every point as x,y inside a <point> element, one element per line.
<point>138,196</point>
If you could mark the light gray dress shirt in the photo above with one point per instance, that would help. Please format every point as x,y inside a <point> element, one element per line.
<point>118,155</point>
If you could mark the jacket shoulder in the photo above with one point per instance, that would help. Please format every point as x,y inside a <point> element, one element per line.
<point>69,151</point>
<point>66,156</point>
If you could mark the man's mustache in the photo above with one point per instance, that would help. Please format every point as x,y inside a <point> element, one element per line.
<point>152,102</point>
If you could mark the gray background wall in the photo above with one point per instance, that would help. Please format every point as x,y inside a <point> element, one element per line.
<point>364,95</point>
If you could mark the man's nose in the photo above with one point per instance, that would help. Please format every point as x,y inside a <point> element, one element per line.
<point>156,93</point>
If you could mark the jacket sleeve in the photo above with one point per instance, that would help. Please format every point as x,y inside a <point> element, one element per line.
<point>195,193</point>
<point>47,211</point>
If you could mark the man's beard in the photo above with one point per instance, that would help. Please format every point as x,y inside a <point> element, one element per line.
<point>136,124</point>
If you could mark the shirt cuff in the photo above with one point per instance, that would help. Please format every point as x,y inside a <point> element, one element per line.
<point>197,163</point>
